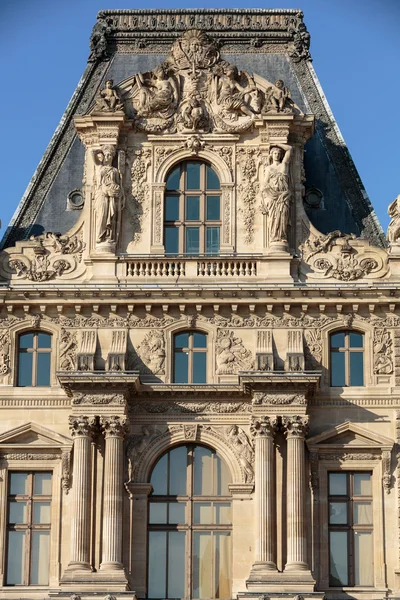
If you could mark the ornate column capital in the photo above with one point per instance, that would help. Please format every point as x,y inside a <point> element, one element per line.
<point>81,426</point>
<point>295,426</point>
<point>263,426</point>
<point>114,426</point>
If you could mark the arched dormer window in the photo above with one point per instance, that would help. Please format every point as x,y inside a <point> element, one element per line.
<point>190,525</point>
<point>347,358</point>
<point>190,357</point>
<point>34,359</point>
<point>192,210</point>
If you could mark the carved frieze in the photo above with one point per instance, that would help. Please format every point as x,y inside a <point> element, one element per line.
<point>262,398</point>
<point>99,399</point>
<point>383,357</point>
<point>231,355</point>
<point>151,353</point>
<point>189,407</point>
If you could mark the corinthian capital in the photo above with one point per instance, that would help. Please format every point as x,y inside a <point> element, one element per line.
<point>263,426</point>
<point>114,426</point>
<point>295,426</point>
<point>82,426</point>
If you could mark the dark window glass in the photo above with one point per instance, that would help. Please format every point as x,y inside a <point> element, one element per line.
<point>193,176</point>
<point>213,208</point>
<point>172,208</point>
<point>159,477</point>
<point>347,359</point>
<point>173,179</point>
<point>192,240</point>
<point>171,240</point>
<point>212,179</point>
<point>34,359</point>
<point>190,357</point>
<point>188,532</point>
<point>192,208</point>
<point>350,529</point>
<point>212,243</point>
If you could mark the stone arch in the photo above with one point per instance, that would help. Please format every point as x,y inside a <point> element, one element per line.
<point>182,154</point>
<point>180,434</point>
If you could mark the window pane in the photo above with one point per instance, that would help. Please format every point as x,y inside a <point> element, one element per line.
<point>199,367</point>
<point>177,512</point>
<point>25,369</point>
<point>173,179</point>
<point>176,564</point>
<point>26,340</point>
<point>203,471</point>
<point>171,240</point>
<point>212,241</point>
<point>212,179</point>
<point>44,340</point>
<point>337,340</point>
<point>18,483</point>
<point>157,564</point>
<point>193,176</point>
<point>337,369</point>
<point>18,512</point>
<point>172,208</point>
<point>222,563</point>
<point>43,369</point>
<point>213,212</point>
<point>223,514</point>
<point>192,240</point>
<point>337,484</point>
<point>203,513</point>
<point>356,368</point>
<point>40,557</point>
<point>16,557</point>
<point>199,340</point>
<point>338,558</point>
<point>177,471</point>
<point>338,513</point>
<point>222,477</point>
<point>181,367</point>
<point>158,512</point>
<point>363,562</point>
<point>362,484</point>
<point>356,340</point>
<point>363,513</point>
<point>202,565</point>
<point>159,476</point>
<point>41,512</point>
<point>192,208</point>
<point>182,340</point>
<point>42,484</point>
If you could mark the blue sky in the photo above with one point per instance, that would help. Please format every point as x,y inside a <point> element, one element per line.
<point>44,46</point>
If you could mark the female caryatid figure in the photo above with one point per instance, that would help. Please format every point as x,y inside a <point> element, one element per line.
<point>108,196</point>
<point>276,195</point>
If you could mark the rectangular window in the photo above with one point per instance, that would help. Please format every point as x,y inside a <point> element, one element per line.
<point>350,530</point>
<point>28,528</point>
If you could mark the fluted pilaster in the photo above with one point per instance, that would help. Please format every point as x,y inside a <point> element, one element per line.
<point>263,429</point>
<point>295,430</point>
<point>82,430</point>
<point>114,428</point>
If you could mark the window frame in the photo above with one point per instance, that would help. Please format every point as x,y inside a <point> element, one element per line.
<point>182,223</point>
<point>347,350</point>
<point>189,527</point>
<point>29,527</point>
<point>35,351</point>
<point>190,350</point>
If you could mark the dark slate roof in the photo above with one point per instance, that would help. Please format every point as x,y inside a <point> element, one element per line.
<point>272,43</point>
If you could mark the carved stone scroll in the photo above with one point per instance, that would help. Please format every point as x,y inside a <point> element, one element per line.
<point>87,350</point>
<point>116,358</point>
<point>264,353</point>
<point>295,351</point>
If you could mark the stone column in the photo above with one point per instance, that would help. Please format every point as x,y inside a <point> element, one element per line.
<point>82,430</point>
<point>114,428</point>
<point>263,430</point>
<point>296,428</point>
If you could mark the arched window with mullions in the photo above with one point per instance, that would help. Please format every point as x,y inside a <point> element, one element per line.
<point>190,357</point>
<point>347,358</point>
<point>34,359</point>
<point>190,525</point>
<point>192,210</point>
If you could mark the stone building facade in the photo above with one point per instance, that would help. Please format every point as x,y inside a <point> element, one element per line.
<point>200,358</point>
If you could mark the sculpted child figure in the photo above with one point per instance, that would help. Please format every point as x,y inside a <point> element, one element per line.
<point>108,98</point>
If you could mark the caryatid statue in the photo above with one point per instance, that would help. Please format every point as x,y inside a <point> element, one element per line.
<point>276,195</point>
<point>393,232</point>
<point>108,196</point>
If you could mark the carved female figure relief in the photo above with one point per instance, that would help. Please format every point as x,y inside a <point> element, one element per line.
<point>276,195</point>
<point>393,232</point>
<point>108,196</point>
<point>231,96</point>
<point>157,97</point>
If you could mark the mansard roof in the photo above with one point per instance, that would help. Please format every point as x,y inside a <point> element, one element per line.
<point>273,44</point>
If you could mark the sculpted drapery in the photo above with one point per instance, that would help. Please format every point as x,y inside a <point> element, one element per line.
<point>108,196</point>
